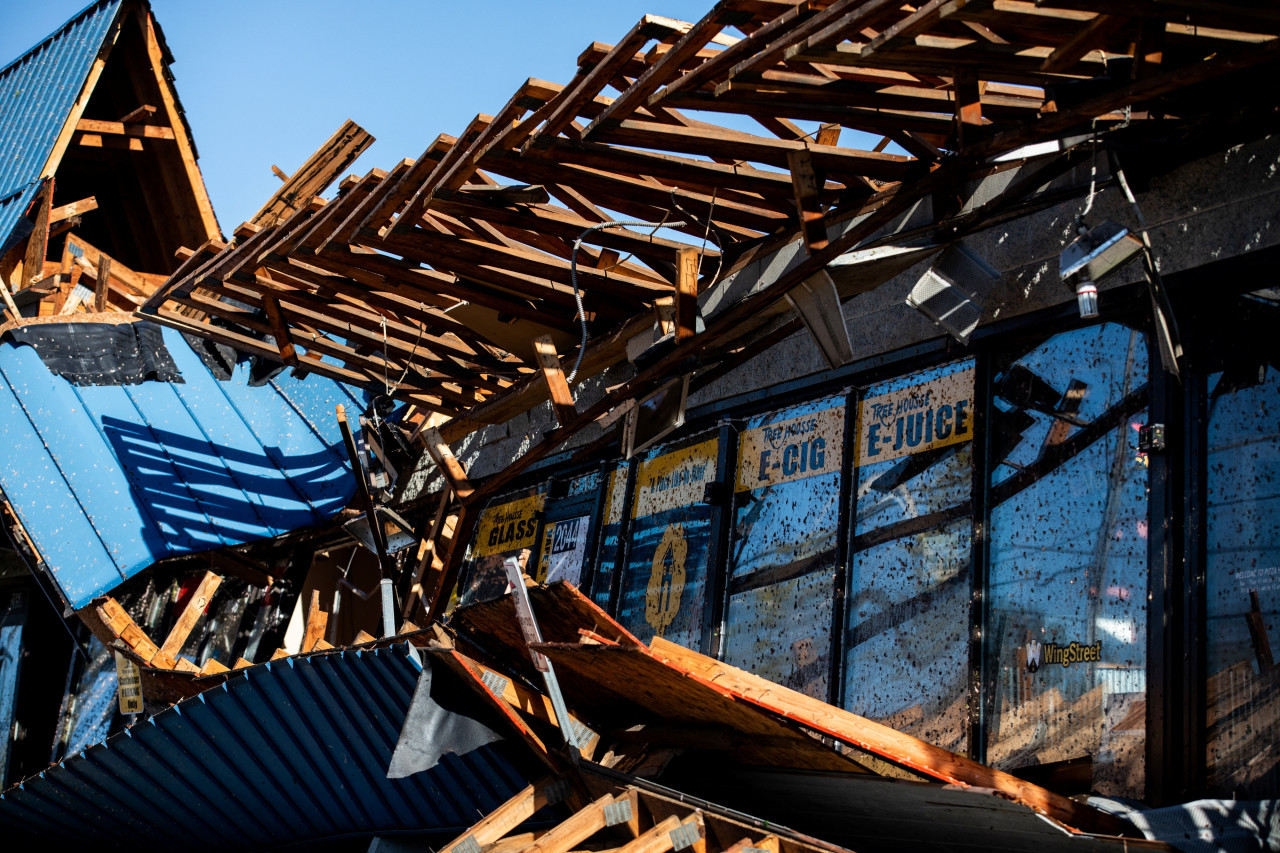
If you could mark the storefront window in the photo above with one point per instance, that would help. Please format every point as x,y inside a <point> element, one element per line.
<point>666,582</point>
<point>1243,582</point>
<point>783,551</point>
<point>907,617</point>
<point>1067,634</point>
<point>507,526</point>
<point>614,516</point>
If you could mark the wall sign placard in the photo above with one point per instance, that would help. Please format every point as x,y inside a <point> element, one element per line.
<point>922,417</point>
<point>509,526</point>
<point>675,479</point>
<point>789,450</point>
<point>564,545</point>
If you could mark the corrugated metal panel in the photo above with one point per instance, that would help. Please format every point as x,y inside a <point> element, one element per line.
<point>37,91</point>
<point>109,479</point>
<point>289,752</point>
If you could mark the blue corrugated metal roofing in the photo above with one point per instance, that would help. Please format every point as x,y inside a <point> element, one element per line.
<point>37,91</point>
<point>289,752</point>
<point>108,479</point>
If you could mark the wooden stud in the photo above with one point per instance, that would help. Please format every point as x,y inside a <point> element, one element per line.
<point>118,128</point>
<point>968,96</point>
<point>280,330</point>
<point>1083,40</point>
<point>809,210</point>
<point>448,464</point>
<point>580,826</point>
<point>317,622</point>
<point>549,363</point>
<point>428,551</point>
<point>38,242</point>
<point>504,818</point>
<point>138,114</point>
<point>75,208</point>
<point>686,294</point>
<point>191,614</point>
<point>656,840</point>
<point>101,284</point>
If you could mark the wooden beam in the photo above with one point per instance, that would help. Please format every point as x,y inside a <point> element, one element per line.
<point>77,110</point>
<point>903,749</point>
<point>317,622</point>
<point>138,114</point>
<point>686,294</point>
<point>968,92</point>
<point>38,242</point>
<point>806,185</point>
<point>191,614</point>
<point>448,464</point>
<point>97,140</point>
<point>168,102</point>
<point>656,840</point>
<point>310,179</point>
<point>280,330</point>
<point>100,287</point>
<point>549,363</point>
<point>75,208</point>
<point>580,826</point>
<point>119,128</point>
<point>1083,40</point>
<point>506,817</point>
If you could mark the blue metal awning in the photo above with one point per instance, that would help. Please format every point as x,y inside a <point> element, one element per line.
<point>109,479</point>
<point>287,752</point>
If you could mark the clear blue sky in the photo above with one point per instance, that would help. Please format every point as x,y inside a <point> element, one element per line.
<point>266,82</point>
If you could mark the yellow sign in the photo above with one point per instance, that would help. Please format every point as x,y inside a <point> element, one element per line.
<point>792,449</point>
<point>128,685</point>
<point>509,526</point>
<point>675,479</point>
<point>666,580</point>
<point>922,417</point>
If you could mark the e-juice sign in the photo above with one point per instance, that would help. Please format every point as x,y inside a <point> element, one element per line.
<point>792,449</point>
<point>921,417</point>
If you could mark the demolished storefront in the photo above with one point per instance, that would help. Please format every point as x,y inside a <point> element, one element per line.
<point>947,408</point>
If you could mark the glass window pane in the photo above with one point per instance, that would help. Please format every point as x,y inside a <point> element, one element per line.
<point>611,533</point>
<point>783,548</point>
<point>507,526</point>
<point>907,619</point>
<point>1243,580</point>
<point>664,587</point>
<point>1068,559</point>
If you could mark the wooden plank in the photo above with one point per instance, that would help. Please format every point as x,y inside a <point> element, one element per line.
<point>549,363</point>
<point>656,840</point>
<point>191,614</point>
<point>119,128</point>
<point>168,102</point>
<point>806,185</point>
<point>75,208</point>
<point>448,464</point>
<point>317,623</point>
<point>138,114</point>
<point>428,553</point>
<point>580,826</point>
<point>881,740</point>
<point>686,293</point>
<point>310,179</point>
<point>968,100</point>
<point>38,242</point>
<point>1083,40</point>
<point>506,817</point>
<point>280,330</point>
<point>101,288</point>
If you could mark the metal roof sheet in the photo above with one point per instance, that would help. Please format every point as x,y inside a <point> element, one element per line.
<point>108,479</point>
<point>291,751</point>
<point>37,92</point>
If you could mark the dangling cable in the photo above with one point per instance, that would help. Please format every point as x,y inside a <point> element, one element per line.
<point>573,273</point>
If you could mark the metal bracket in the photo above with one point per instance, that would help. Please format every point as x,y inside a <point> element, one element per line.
<point>1151,438</point>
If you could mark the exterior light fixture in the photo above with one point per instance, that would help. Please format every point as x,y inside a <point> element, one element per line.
<point>1093,255</point>
<point>952,291</point>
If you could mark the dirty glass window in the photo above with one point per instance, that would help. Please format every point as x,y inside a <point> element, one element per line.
<point>567,532</point>
<point>1068,560</point>
<point>507,526</point>
<point>782,553</point>
<point>666,580</point>
<point>907,615</point>
<point>1243,581</point>
<point>611,528</point>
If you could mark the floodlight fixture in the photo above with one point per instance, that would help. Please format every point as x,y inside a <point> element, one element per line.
<point>1094,254</point>
<point>952,291</point>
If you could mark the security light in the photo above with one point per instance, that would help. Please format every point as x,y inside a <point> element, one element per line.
<point>1094,254</point>
<point>952,290</point>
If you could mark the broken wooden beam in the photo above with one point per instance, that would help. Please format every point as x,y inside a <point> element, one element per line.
<point>448,464</point>
<point>549,363</point>
<point>191,613</point>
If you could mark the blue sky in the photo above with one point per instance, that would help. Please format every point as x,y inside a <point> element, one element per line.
<point>266,82</point>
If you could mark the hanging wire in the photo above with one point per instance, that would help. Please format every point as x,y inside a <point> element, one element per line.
<point>573,272</point>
